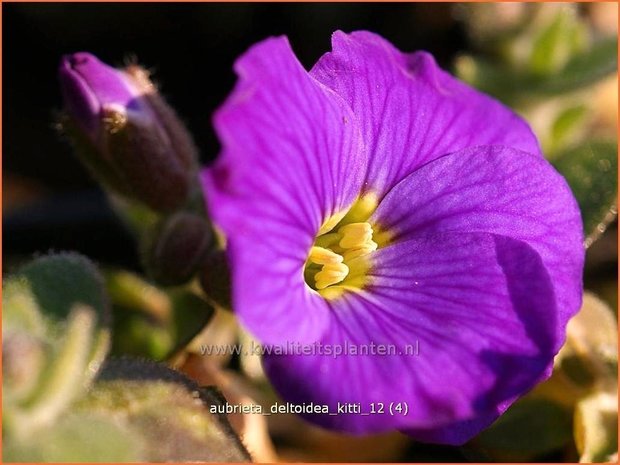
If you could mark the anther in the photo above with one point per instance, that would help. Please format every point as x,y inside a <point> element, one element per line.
<point>340,253</point>
<point>332,273</point>
<point>323,256</point>
<point>368,247</point>
<point>355,235</point>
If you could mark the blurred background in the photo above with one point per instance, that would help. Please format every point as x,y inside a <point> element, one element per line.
<point>190,48</point>
<point>555,64</point>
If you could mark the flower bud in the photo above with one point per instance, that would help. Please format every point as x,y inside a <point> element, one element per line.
<point>215,278</point>
<point>135,143</point>
<point>178,248</point>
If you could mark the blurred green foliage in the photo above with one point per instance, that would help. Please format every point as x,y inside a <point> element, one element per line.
<point>590,169</point>
<point>55,334</point>
<point>549,65</point>
<point>60,405</point>
<point>530,428</point>
<point>153,322</point>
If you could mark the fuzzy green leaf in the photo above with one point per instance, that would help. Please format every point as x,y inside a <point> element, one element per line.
<point>168,411</point>
<point>529,428</point>
<point>583,69</point>
<point>84,437</point>
<point>591,171</point>
<point>58,282</point>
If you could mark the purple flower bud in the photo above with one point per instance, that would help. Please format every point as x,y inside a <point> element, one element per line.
<point>178,248</point>
<point>135,143</point>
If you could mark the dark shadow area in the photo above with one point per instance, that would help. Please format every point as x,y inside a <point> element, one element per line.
<point>191,49</point>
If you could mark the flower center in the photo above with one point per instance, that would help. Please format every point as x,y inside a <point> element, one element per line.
<point>340,257</point>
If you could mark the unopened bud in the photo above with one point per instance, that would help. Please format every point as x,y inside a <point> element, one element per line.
<point>137,145</point>
<point>178,248</point>
<point>215,278</point>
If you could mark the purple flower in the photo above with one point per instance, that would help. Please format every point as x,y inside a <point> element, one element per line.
<point>91,89</point>
<point>378,200</point>
<point>136,144</point>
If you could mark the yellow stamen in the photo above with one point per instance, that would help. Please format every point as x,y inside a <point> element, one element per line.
<point>365,249</point>
<point>339,261</point>
<point>355,235</point>
<point>332,273</point>
<point>323,256</point>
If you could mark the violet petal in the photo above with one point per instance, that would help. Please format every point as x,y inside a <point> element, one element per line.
<point>292,157</point>
<point>410,110</point>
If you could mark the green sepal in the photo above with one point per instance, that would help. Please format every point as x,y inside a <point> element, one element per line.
<point>153,322</point>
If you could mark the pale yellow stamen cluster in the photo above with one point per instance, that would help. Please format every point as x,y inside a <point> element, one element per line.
<point>340,259</point>
<point>354,235</point>
<point>337,250</point>
<point>331,273</point>
<point>323,256</point>
<point>356,240</point>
